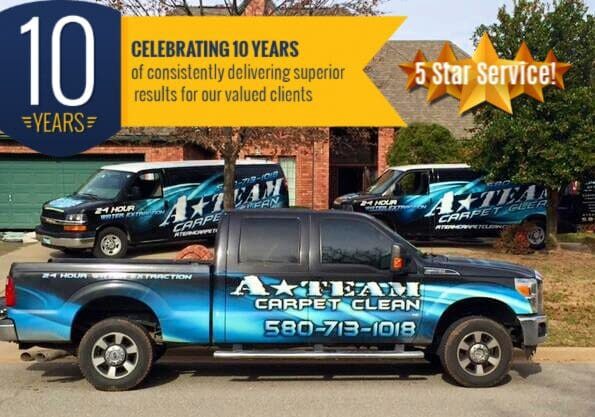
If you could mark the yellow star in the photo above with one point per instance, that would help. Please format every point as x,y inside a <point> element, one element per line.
<point>474,92</point>
<point>410,69</point>
<point>435,91</point>
<point>561,69</point>
<point>536,91</point>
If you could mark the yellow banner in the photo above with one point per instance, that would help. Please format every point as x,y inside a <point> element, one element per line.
<point>253,71</point>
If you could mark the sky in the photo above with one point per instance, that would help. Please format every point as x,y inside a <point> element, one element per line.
<point>453,20</point>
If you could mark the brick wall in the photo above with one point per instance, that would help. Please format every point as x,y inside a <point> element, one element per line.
<point>312,180</point>
<point>151,153</point>
<point>385,140</point>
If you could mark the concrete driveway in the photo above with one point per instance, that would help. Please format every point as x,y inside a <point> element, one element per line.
<point>178,387</point>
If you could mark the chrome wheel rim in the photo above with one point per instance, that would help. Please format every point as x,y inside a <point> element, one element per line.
<point>111,245</point>
<point>536,236</point>
<point>479,353</point>
<point>114,355</point>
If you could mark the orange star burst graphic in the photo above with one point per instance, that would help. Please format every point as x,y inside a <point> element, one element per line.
<point>410,69</point>
<point>533,90</point>
<point>437,90</point>
<point>485,77</point>
<point>476,92</point>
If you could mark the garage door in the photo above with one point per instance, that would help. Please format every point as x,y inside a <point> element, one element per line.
<point>27,182</point>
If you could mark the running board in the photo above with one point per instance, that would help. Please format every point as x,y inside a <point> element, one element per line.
<point>309,354</point>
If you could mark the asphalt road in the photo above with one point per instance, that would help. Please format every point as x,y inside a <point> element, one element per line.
<point>183,387</point>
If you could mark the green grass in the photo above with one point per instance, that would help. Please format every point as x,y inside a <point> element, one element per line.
<point>582,237</point>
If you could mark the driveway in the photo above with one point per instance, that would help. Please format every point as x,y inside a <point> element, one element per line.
<point>178,387</point>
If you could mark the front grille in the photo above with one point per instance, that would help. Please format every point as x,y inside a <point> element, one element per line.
<point>52,214</point>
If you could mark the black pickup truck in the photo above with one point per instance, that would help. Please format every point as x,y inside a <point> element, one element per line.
<point>284,284</point>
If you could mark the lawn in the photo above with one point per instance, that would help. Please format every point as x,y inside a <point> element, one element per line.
<point>569,286</point>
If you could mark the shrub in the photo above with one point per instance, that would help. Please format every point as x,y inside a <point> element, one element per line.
<point>513,239</point>
<point>424,143</point>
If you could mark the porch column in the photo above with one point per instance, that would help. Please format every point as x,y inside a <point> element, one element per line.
<point>385,140</point>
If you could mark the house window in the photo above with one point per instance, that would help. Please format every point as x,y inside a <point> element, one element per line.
<point>288,165</point>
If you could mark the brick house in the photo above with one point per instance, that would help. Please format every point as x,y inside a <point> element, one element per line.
<point>316,174</point>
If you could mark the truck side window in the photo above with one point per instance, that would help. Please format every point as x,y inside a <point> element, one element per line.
<point>145,186</point>
<point>354,242</point>
<point>414,183</point>
<point>280,243</point>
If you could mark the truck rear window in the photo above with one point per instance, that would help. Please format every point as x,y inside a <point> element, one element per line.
<point>267,240</point>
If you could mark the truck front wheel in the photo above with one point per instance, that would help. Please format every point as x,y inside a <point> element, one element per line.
<point>476,352</point>
<point>116,354</point>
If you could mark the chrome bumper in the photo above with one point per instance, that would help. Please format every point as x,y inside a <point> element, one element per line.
<point>65,242</point>
<point>8,332</point>
<point>534,329</point>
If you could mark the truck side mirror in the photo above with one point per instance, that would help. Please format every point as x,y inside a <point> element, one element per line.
<point>397,261</point>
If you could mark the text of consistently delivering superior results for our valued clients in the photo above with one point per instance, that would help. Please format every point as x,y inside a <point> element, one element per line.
<point>224,49</point>
<point>219,73</point>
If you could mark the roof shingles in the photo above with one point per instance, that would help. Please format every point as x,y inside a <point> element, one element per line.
<point>412,105</point>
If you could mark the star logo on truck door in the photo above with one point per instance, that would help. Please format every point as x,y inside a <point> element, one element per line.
<point>284,288</point>
<point>198,207</point>
<point>466,203</point>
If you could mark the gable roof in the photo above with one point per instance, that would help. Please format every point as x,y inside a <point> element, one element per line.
<point>412,105</point>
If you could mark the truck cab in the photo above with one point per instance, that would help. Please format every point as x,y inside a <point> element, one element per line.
<point>283,284</point>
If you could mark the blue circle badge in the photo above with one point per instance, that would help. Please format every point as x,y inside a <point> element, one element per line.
<point>60,75</point>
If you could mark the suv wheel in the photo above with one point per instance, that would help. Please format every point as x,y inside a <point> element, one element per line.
<point>115,355</point>
<point>111,242</point>
<point>476,352</point>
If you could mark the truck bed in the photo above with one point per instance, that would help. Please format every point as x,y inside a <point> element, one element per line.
<point>50,296</point>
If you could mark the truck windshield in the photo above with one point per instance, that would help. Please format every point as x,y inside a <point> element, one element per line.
<point>105,184</point>
<point>384,181</point>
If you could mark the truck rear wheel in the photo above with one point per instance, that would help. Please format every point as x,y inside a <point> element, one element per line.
<point>111,242</point>
<point>476,352</point>
<point>116,355</point>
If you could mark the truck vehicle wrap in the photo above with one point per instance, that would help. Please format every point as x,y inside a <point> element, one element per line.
<point>137,203</point>
<point>449,200</point>
<point>311,284</point>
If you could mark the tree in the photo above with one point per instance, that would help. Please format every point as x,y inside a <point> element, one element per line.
<point>424,143</point>
<point>229,141</point>
<point>549,143</point>
<point>238,8</point>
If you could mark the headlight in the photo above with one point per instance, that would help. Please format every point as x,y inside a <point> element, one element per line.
<point>529,288</point>
<point>76,218</point>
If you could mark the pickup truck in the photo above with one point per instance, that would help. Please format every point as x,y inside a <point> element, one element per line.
<point>284,284</point>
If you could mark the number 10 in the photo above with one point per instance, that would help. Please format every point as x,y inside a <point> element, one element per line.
<point>32,26</point>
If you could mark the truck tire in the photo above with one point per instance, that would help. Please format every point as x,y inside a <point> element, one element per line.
<point>476,352</point>
<point>111,242</point>
<point>116,354</point>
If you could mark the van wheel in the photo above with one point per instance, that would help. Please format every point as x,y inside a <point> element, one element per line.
<point>111,243</point>
<point>536,234</point>
<point>476,352</point>
<point>115,355</point>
